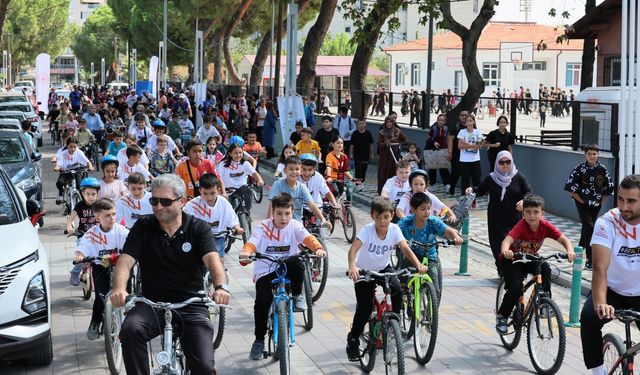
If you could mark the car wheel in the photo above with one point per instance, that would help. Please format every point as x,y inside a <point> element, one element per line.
<point>42,354</point>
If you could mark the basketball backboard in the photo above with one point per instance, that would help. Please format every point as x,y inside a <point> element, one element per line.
<point>511,52</point>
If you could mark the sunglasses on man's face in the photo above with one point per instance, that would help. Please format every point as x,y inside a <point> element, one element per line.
<point>165,202</point>
<point>504,162</point>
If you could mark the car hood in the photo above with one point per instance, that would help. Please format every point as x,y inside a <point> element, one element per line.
<point>19,171</point>
<point>18,241</point>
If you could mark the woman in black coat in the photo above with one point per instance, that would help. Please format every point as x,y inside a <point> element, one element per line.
<point>506,188</point>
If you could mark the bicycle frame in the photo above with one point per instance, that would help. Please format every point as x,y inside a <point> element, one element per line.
<point>415,283</point>
<point>280,295</point>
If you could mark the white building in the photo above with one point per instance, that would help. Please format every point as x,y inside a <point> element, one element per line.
<point>80,10</point>
<point>501,46</point>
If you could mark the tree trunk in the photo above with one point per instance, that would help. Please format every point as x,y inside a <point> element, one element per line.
<point>370,34</point>
<point>312,46</point>
<point>257,69</point>
<point>4,4</point>
<point>469,39</point>
<point>588,53</point>
<point>233,23</point>
<point>215,46</point>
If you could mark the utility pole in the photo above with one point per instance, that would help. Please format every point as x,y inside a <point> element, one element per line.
<point>276,86</point>
<point>163,65</point>
<point>427,120</point>
<point>92,72</point>
<point>115,54</point>
<point>273,18</point>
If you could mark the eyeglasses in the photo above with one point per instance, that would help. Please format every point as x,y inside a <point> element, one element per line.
<point>165,202</point>
<point>504,162</point>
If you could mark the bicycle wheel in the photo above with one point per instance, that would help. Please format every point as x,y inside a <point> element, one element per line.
<point>244,223</point>
<point>439,291</point>
<point>612,349</point>
<point>349,225</point>
<point>425,331</point>
<point>406,313</point>
<point>308,295</point>
<point>319,272</point>
<point>218,318</point>
<point>393,348</point>
<point>282,347</point>
<point>75,199</point>
<point>511,340</point>
<point>368,349</point>
<point>258,193</point>
<point>85,281</point>
<point>111,328</point>
<point>95,158</point>
<point>546,337</point>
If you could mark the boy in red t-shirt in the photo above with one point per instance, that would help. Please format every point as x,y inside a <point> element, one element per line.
<point>526,236</point>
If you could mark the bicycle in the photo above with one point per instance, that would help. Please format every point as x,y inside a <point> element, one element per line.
<point>240,200</point>
<point>171,359</point>
<point>619,356</point>
<point>344,212</point>
<point>384,330</point>
<point>257,191</point>
<point>217,313</point>
<point>55,132</point>
<point>541,315</point>
<point>86,275</point>
<point>71,195</point>
<point>92,153</point>
<point>317,266</point>
<point>229,238</point>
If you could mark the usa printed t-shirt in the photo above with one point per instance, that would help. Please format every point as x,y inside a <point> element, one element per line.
<point>235,175</point>
<point>130,209</point>
<point>427,235</point>
<point>623,242</point>
<point>220,216</point>
<point>375,254</point>
<point>527,241</point>
<point>395,189</point>
<point>97,242</point>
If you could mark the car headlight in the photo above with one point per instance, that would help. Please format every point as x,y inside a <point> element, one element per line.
<point>27,183</point>
<point>35,298</point>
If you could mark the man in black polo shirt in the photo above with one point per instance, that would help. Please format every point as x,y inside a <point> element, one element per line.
<point>324,135</point>
<point>171,247</point>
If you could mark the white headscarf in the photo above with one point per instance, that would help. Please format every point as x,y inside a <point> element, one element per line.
<point>503,179</point>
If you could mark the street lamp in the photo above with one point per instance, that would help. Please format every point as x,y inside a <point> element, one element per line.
<point>92,83</point>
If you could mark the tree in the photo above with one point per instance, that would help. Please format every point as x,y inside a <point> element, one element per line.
<point>339,45</point>
<point>241,11</point>
<point>588,52</point>
<point>4,4</point>
<point>314,44</point>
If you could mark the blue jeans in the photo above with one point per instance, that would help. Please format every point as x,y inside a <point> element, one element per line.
<point>220,246</point>
<point>77,268</point>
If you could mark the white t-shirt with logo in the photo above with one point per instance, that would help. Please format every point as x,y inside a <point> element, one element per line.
<point>468,156</point>
<point>68,161</point>
<point>129,209</point>
<point>437,207</point>
<point>220,217</point>
<point>317,187</point>
<point>97,242</point>
<point>277,243</point>
<point>235,175</point>
<point>623,242</point>
<point>375,254</point>
<point>395,189</point>
<point>122,158</point>
<point>124,170</point>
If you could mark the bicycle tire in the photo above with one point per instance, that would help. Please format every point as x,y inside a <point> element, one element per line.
<point>258,193</point>
<point>368,349</point>
<point>439,291</point>
<point>536,326</point>
<point>111,329</point>
<point>244,223</point>
<point>612,349</point>
<point>406,313</point>
<point>349,225</point>
<point>52,133</point>
<point>282,347</point>
<point>218,318</point>
<point>425,332</point>
<point>393,347</point>
<point>95,158</point>
<point>87,287</point>
<point>511,340</point>
<point>308,295</point>
<point>76,198</point>
<point>320,271</point>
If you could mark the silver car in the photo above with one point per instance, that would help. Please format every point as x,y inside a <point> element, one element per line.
<point>29,111</point>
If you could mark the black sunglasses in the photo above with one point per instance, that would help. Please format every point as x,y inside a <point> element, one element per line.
<point>165,202</point>
<point>504,162</point>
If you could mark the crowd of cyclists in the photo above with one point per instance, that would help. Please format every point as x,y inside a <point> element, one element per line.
<point>157,163</point>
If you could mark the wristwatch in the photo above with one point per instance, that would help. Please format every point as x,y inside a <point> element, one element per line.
<point>224,287</point>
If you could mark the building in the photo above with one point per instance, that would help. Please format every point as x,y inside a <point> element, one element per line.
<point>80,10</point>
<point>508,57</point>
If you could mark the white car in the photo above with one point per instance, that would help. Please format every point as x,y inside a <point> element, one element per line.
<point>25,294</point>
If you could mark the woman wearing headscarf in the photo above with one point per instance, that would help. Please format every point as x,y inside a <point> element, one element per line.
<point>506,188</point>
<point>386,164</point>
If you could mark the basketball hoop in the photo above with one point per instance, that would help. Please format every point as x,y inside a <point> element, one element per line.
<point>517,64</point>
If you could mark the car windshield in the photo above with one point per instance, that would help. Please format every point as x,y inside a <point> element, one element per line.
<point>13,99</point>
<point>16,107</point>
<point>12,150</point>
<point>16,116</point>
<point>8,212</point>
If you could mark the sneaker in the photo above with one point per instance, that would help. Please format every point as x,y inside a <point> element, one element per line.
<point>447,187</point>
<point>74,279</point>
<point>588,266</point>
<point>93,331</point>
<point>59,199</point>
<point>353,348</point>
<point>502,326</point>
<point>257,350</point>
<point>299,303</point>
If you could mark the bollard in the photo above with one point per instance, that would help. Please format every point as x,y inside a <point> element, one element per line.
<point>464,250</point>
<point>576,289</point>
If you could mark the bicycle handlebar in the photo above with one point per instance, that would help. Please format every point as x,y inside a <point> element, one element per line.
<point>111,258</point>
<point>527,257</point>
<point>368,274</point>
<point>226,233</point>
<point>132,300</point>
<point>445,242</point>
<point>627,314</point>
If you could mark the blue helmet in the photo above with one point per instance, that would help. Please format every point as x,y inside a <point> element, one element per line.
<point>237,140</point>
<point>419,172</point>
<point>90,182</point>
<point>309,159</point>
<point>158,124</point>
<point>109,159</point>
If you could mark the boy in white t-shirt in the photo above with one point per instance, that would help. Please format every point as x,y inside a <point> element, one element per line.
<point>105,238</point>
<point>135,203</point>
<point>70,158</point>
<point>134,154</point>
<point>378,240</point>
<point>278,237</point>
<point>207,130</point>
<point>314,181</point>
<point>122,154</point>
<point>396,186</point>
<point>215,210</point>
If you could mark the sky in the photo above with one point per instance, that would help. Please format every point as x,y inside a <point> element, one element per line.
<point>508,8</point>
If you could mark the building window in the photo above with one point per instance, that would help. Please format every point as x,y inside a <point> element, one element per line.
<point>85,15</point>
<point>404,36</point>
<point>415,74</point>
<point>491,74</point>
<point>573,74</point>
<point>347,29</point>
<point>611,71</point>
<point>536,65</point>
<point>400,70</point>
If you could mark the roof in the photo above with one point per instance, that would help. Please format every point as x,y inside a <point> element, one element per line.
<point>325,66</point>
<point>492,35</point>
<point>597,19</point>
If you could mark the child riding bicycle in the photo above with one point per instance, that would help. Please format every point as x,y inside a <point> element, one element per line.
<point>69,158</point>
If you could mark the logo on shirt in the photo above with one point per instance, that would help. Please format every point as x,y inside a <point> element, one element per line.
<point>378,249</point>
<point>235,175</point>
<point>186,247</point>
<point>602,232</point>
<point>621,228</point>
<point>530,247</point>
<point>272,234</point>
<point>282,250</point>
<point>629,251</point>
<point>97,238</point>
<point>202,210</point>
<point>132,203</point>
<point>107,252</point>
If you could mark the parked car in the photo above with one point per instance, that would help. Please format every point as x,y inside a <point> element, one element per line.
<point>21,163</point>
<point>20,116</point>
<point>10,123</point>
<point>25,294</point>
<point>13,97</point>
<point>29,111</point>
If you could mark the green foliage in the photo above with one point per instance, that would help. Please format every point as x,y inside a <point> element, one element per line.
<point>339,45</point>
<point>96,39</point>
<point>241,47</point>
<point>380,61</point>
<point>36,26</point>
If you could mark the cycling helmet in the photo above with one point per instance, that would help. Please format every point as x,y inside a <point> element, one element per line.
<point>158,124</point>
<point>236,139</point>
<point>418,172</point>
<point>309,159</point>
<point>91,182</point>
<point>109,159</point>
